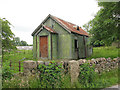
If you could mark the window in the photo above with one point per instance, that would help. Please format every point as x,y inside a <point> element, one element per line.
<point>76,44</point>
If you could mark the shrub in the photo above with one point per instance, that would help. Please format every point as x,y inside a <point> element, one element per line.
<point>50,75</point>
<point>87,75</point>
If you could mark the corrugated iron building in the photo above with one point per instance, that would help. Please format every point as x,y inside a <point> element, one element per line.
<point>55,38</point>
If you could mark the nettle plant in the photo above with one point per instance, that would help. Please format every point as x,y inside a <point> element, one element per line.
<point>87,74</point>
<point>50,75</point>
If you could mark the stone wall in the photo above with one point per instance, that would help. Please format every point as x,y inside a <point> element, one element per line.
<point>73,67</point>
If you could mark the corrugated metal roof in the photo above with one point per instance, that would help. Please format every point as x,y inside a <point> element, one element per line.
<point>49,29</point>
<point>70,27</point>
<point>67,25</point>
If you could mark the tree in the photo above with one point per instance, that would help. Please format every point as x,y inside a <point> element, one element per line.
<point>20,43</point>
<point>24,43</point>
<point>17,41</point>
<point>7,35</point>
<point>104,28</point>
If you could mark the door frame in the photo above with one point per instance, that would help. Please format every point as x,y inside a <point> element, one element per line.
<point>39,47</point>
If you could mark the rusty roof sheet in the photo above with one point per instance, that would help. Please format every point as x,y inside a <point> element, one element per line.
<point>71,27</point>
<point>49,29</point>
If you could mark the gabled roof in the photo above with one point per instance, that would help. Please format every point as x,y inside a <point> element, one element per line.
<point>70,26</point>
<point>67,25</point>
<point>49,29</point>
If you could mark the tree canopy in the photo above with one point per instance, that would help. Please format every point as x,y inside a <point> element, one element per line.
<point>7,36</point>
<point>104,28</point>
<point>20,43</point>
<point>17,41</point>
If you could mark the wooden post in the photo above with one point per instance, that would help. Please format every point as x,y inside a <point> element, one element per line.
<point>19,66</point>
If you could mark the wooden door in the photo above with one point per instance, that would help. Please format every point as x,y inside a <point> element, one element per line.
<point>43,46</point>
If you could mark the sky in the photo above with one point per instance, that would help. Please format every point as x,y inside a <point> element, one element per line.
<point>26,15</point>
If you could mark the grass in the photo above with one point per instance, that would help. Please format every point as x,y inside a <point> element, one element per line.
<point>107,79</point>
<point>18,55</point>
<point>15,57</point>
<point>105,52</point>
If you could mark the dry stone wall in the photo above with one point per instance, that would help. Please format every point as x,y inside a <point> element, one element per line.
<point>73,67</point>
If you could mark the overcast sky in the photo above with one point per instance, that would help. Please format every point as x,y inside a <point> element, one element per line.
<point>26,15</point>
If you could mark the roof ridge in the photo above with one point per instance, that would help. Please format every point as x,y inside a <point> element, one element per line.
<point>64,20</point>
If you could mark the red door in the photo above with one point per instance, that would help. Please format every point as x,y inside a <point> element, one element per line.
<point>43,46</point>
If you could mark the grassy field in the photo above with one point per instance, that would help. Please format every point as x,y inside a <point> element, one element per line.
<point>18,55</point>
<point>15,57</point>
<point>106,52</point>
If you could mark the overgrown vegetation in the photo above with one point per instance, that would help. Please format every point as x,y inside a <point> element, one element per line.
<point>50,75</point>
<point>87,79</point>
<point>49,79</point>
<point>6,72</point>
<point>14,57</point>
<point>87,75</point>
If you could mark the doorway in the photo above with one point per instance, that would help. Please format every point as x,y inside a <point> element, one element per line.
<point>43,46</point>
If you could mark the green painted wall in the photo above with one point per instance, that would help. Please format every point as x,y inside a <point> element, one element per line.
<point>34,46</point>
<point>48,22</point>
<point>57,27</point>
<point>88,52</point>
<point>38,47</point>
<point>54,46</point>
<point>64,46</point>
<point>81,47</point>
<point>64,41</point>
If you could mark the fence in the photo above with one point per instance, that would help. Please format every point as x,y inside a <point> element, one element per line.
<point>19,66</point>
<point>13,59</point>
